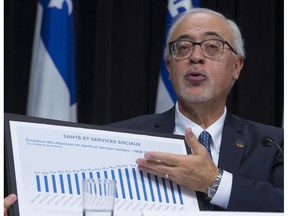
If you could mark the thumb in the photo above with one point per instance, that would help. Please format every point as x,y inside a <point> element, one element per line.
<point>9,201</point>
<point>193,142</point>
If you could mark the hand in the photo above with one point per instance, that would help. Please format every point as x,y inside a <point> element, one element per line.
<point>196,171</point>
<point>8,202</point>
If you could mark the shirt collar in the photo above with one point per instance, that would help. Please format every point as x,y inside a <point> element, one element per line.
<point>215,130</point>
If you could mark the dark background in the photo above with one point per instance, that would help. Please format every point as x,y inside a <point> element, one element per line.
<point>119,48</point>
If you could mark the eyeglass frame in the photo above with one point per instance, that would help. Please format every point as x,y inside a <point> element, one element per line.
<point>200,44</point>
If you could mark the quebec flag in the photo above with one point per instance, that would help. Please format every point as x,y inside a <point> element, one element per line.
<point>166,97</point>
<point>52,87</point>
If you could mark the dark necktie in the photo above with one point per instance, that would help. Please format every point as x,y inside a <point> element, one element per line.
<point>206,140</point>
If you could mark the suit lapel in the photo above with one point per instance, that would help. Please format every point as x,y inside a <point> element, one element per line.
<point>165,123</point>
<point>233,144</point>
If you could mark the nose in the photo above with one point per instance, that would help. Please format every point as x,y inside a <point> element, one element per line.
<point>197,54</point>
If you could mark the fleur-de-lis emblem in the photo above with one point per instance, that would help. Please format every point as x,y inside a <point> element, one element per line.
<point>59,4</point>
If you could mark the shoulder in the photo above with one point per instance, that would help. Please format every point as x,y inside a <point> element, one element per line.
<point>248,124</point>
<point>252,128</point>
<point>136,121</point>
<point>163,122</point>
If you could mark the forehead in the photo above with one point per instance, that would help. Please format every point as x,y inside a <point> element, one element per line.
<point>200,25</point>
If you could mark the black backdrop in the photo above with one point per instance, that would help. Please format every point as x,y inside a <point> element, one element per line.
<point>119,47</point>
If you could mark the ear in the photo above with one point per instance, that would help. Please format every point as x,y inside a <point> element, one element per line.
<point>238,65</point>
<point>168,66</point>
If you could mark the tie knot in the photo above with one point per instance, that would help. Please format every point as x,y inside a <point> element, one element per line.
<point>206,140</point>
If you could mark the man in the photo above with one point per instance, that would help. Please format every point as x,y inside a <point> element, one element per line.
<point>204,57</point>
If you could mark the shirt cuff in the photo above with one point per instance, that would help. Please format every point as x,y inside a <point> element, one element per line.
<point>222,195</point>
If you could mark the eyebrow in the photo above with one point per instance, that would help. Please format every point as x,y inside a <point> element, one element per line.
<point>185,36</point>
<point>209,33</point>
<point>212,33</point>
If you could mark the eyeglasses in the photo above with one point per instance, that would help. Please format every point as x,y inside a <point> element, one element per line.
<point>212,48</point>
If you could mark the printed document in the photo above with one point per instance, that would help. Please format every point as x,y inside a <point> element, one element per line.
<point>52,160</point>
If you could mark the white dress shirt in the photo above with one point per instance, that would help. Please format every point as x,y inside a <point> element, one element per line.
<point>222,195</point>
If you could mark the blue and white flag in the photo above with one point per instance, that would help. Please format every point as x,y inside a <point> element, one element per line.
<point>166,97</point>
<point>52,87</point>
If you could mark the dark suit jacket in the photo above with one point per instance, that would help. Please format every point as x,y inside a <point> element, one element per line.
<point>258,171</point>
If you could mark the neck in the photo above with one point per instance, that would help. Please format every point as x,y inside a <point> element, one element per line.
<point>203,114</point>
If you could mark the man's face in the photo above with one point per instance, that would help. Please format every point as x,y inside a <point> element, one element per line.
<point>200,79</point>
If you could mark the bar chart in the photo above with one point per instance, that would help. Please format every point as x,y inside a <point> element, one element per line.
<point>132,184</point>
<point>52,160</point>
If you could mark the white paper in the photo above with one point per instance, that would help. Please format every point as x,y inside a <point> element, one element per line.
<point>51,161</point>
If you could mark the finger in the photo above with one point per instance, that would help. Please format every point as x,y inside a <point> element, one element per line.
<point>151,171</point>
<point>9,201</point>
<point>155,167</point>
<point>167,158</point>
<point>193,142</point>
<point>163,174</point>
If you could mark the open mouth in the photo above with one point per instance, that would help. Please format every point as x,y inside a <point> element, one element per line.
<point>195,77</point>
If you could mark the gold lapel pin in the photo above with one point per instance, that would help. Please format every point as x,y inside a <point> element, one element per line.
<point>239,143</point>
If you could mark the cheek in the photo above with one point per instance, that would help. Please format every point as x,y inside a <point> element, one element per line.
<point>175,72</point>
<point>228,72</point>
<point>175,77</point>
<point>223,76</point>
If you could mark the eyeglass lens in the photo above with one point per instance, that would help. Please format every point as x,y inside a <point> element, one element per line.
<point>210,48</point>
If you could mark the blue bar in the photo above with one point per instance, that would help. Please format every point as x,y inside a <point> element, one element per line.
<point>98,175</point>
<point>150,186</point>
<point>105,174</point>
<point>83,175</point>
<point>105,187</point>
<point>46,184</point>
<point>129,183</point>
<point>121,183</point>
<point>165,190</point>
<point>62,183</point>
<point>143,185</point>
<point>91,175</point>
<point>54,184</point>
<point>180,194</point>
<point>38,183</point>
<point>173,192</point>
<point>77,183</point>
<point>69,184</point>
<point>136,183</point>
<point>113,177</point>
<point>158,188</point>
<point>106,177</point>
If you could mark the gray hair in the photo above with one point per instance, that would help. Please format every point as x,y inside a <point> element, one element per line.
<point>237,38</point>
